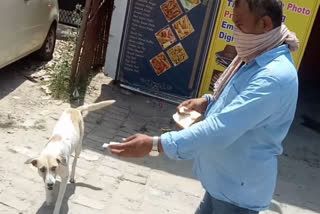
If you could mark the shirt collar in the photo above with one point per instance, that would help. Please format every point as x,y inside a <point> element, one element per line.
<point>267,57</point>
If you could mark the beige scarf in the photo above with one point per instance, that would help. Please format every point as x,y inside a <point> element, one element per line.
<point>250,46</point>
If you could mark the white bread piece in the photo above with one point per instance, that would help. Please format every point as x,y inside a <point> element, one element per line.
<point>106,145</point>
<point>185,118</point>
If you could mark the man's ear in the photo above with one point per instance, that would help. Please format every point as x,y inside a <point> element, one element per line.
<point>62,160</point>
<point>267,24</point>
<point>33,161</point>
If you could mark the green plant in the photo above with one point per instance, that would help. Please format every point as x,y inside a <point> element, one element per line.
<point>60,84</point>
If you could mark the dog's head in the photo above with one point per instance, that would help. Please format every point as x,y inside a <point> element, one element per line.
<point>48,168</point>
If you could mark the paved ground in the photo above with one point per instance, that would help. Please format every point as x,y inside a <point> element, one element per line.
<point>106,184</point>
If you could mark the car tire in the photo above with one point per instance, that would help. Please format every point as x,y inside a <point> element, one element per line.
<point>46,51</point>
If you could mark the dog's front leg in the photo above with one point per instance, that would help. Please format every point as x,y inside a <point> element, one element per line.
<point>49,196</point>
<point>62,190</point>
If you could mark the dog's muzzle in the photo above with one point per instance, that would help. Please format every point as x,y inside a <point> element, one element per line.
<point>50,186</point>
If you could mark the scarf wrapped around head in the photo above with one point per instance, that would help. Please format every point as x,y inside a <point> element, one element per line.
<point>250,46</point>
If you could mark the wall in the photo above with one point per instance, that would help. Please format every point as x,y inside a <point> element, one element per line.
<point>116,30</point>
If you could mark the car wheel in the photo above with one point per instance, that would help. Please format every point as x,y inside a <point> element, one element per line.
<point>47,49</point>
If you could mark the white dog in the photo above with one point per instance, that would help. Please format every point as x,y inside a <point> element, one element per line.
<point>54,159</point>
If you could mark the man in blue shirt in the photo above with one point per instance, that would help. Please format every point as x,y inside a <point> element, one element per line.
<point>235,146</point>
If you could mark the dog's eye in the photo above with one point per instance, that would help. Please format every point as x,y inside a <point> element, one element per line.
<point>53,168</point>
<point>42,169</point>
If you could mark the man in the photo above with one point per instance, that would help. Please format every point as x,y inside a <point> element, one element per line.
<point>235,147</point>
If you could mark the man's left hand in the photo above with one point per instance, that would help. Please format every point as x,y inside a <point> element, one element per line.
<point>136,146</point>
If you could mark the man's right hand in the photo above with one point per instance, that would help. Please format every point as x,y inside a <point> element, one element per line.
<point>200,105</point>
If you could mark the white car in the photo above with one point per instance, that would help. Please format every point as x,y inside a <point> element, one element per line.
<point>27,26</point>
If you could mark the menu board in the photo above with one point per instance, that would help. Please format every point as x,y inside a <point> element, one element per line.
<point>298,16</point>
<point>165,45</point>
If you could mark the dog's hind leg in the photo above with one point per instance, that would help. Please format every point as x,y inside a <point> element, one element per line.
<point>74,164</point>
<point>62,190</point>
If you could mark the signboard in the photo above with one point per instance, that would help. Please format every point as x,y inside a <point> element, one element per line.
<point>298,16</point>
<point>165,45</point>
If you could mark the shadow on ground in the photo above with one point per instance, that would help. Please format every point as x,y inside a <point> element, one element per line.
<point>276,208</point>
<point>13,75</point>
<point>45,209</point>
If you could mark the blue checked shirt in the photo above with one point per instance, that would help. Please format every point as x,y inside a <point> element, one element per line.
<point>235,147</point>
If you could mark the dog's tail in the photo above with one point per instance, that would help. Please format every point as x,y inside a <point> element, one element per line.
<point>95,106</point>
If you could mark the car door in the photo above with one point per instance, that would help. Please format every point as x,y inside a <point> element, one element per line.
<point>46,7</point>
<point>33,24</point>
<point>11,33</point>
<point>44,13</point>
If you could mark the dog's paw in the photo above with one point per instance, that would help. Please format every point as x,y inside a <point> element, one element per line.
<point>72,180</point>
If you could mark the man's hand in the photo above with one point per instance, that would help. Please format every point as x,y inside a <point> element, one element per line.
<point>136,146</point>
<point>200,105</point>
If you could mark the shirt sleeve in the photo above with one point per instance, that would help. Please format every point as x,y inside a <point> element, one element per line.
<point>209,98</point>
<point>258,101</point>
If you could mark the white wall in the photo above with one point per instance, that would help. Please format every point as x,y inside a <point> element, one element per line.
<point>117,22</point>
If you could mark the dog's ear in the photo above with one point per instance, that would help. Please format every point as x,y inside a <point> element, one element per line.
<point>62,160</point>
<point>33,161</point>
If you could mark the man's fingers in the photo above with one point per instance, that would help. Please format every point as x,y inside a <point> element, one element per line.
<point>129,138</point>
<point>185,109</point>
<point>185,103</point>
<point>121,146</point>
<point>137,146</point>
<point>122,153</point>
<point>115,151</point>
